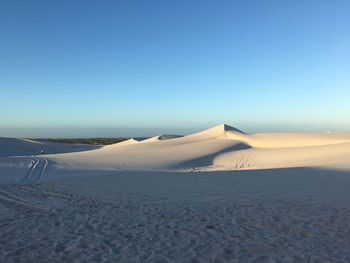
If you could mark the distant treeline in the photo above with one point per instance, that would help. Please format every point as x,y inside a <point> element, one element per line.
<point>101,141</point>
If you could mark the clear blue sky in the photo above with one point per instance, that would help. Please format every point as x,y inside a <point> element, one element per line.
<point>176,65</point>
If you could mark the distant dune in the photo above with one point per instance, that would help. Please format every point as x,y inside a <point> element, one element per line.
<point>25,147</point>
<point>219,148</point>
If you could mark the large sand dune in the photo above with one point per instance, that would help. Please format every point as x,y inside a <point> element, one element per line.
<point>218,148</point>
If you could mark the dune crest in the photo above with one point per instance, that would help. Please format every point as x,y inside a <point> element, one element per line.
<point>162,138</point>
<point>219,131</point>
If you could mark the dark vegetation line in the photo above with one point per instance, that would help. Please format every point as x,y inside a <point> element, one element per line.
<point>101,141</point>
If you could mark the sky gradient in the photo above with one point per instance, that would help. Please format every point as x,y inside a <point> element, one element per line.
<point>97,66</point>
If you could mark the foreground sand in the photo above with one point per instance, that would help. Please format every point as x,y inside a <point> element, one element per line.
<point>171,217</point>
<point>216,196</point>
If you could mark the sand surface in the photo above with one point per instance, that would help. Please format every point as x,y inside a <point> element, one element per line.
<point>216,196</point>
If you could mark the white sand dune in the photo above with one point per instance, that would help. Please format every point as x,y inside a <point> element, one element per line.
<point>219,148</point>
